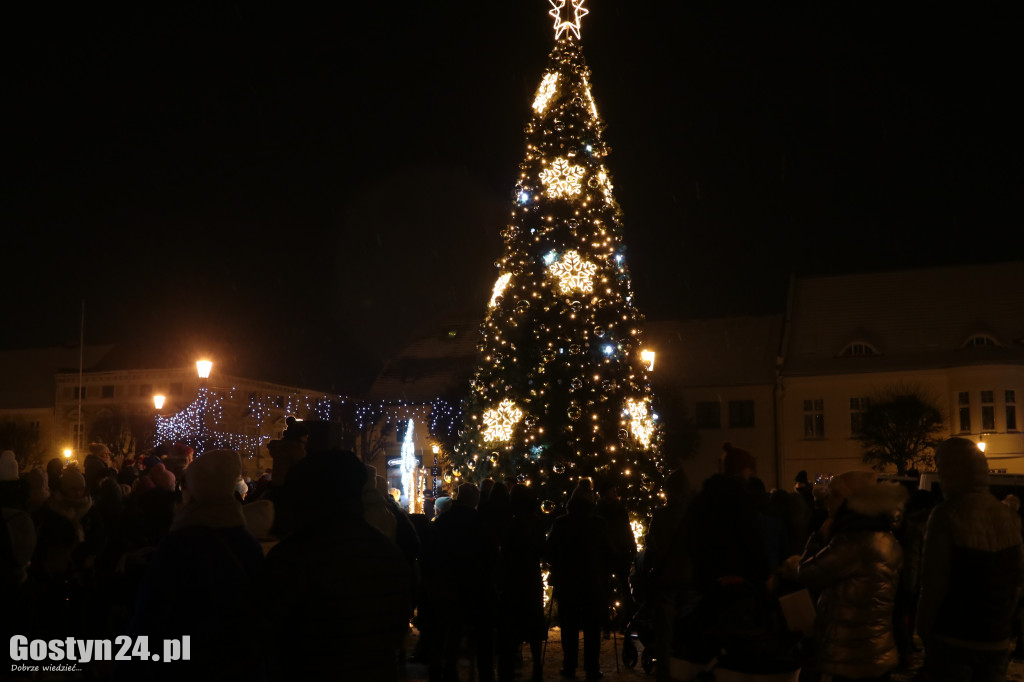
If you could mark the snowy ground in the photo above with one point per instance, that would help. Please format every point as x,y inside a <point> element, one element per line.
<point>611,651</point>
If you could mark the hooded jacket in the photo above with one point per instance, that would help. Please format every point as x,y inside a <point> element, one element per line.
<point>972,569</point>
<point>855,565</point>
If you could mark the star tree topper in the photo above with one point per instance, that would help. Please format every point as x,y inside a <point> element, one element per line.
<point>567,15</point>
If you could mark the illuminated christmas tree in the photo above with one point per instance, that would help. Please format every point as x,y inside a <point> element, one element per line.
<point>561,390</point>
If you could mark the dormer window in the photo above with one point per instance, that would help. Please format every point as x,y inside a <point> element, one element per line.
<point>858,349</point>
<point>979,340</point>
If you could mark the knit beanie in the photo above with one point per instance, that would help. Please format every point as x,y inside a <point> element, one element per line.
<point>70,481</point>
<point>162,478</point>
<point>962,467</point>
<point>8,466</point>
<point>736,461</point>
<point>468,494</point>
<point>211,477</point>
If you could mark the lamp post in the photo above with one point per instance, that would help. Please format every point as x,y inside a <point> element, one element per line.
<point>158,403</point>
<point>203,368</point>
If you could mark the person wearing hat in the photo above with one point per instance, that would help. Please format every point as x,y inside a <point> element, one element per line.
<point>199,580</point>
<point>972,571</point>
<point>580,554</point>
<point>854,561</point>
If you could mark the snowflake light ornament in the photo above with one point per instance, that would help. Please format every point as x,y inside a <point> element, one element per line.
<point>640,424</point>
<point>501,420</point>
<point>574,273</point>
<point>545,93</point>
<point>562,178</point>
<point>499,288</point>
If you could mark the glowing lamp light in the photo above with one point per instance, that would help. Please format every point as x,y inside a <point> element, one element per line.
<point>203,368</point>
<point>435,448</point>
<point>648,357</point>
<point>67,453</point>
<point>981,446</point>
<point>158,401</point>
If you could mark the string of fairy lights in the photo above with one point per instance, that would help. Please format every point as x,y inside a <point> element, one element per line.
<point>202,422</point>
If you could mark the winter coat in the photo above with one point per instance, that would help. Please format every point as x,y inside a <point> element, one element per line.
<point>856,570</point>
<point>580,555</point>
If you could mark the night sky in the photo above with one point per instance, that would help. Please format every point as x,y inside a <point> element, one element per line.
<point>297,190</point>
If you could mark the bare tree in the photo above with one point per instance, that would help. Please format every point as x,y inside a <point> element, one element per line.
<point>901,428</point>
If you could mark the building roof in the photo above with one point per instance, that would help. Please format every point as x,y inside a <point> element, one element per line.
<point>437,364</point>
<point>724,351</point>
<point>910,318</point>
<point>28,376</point>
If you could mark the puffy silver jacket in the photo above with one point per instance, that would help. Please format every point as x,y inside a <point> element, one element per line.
<point>857,572</point>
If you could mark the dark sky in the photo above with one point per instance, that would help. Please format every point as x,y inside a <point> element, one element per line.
<point>299,189</point>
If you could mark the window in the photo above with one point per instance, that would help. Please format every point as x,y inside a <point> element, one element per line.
<point>964,400</point>
<point>857,408</point>
<point>979,340</point>
<point>1011,411</point>
<point>741,414</point>
<point>177,388</point>
<point>106,391</point>
<point>708,414</point>
<point>814,418</point>
<point>988,411</point>
<point>858,348</point>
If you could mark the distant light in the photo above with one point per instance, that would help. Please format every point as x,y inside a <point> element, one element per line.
<point>203,368</point>
<point>648,357</point>
<point>550,257</point>
<point>618,258</point>
<point>158,401</point>
<point>609,349</point>
<point>524,197</point>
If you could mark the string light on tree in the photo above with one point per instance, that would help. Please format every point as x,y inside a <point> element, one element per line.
<point>573,273</point>
<point>640,424</point>
<point>548,87</point>
<point>500,421</point>
<point>499,288</point>
<point>563,178</point>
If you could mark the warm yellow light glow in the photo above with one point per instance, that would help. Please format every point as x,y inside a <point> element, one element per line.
<point>648,357</point>
<point>501,420</point>
<point>638,534</point>
<point>499,288</point>
<point>435,448</point>
<point>567,15</point>
<point>203,368</point>
<point>547,90</point>
<point>562,178</point>
<point>158,401</point>
<point>573,273</point>
<point>981,445</point>
<point>606,185</point>
<point>67,453</point>
<point>640,424</point>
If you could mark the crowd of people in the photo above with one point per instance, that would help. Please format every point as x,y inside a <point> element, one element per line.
<point>315,571</point>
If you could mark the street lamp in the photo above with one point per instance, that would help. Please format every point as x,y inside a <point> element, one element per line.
<point>203,368</point>
<point>158,403</point>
